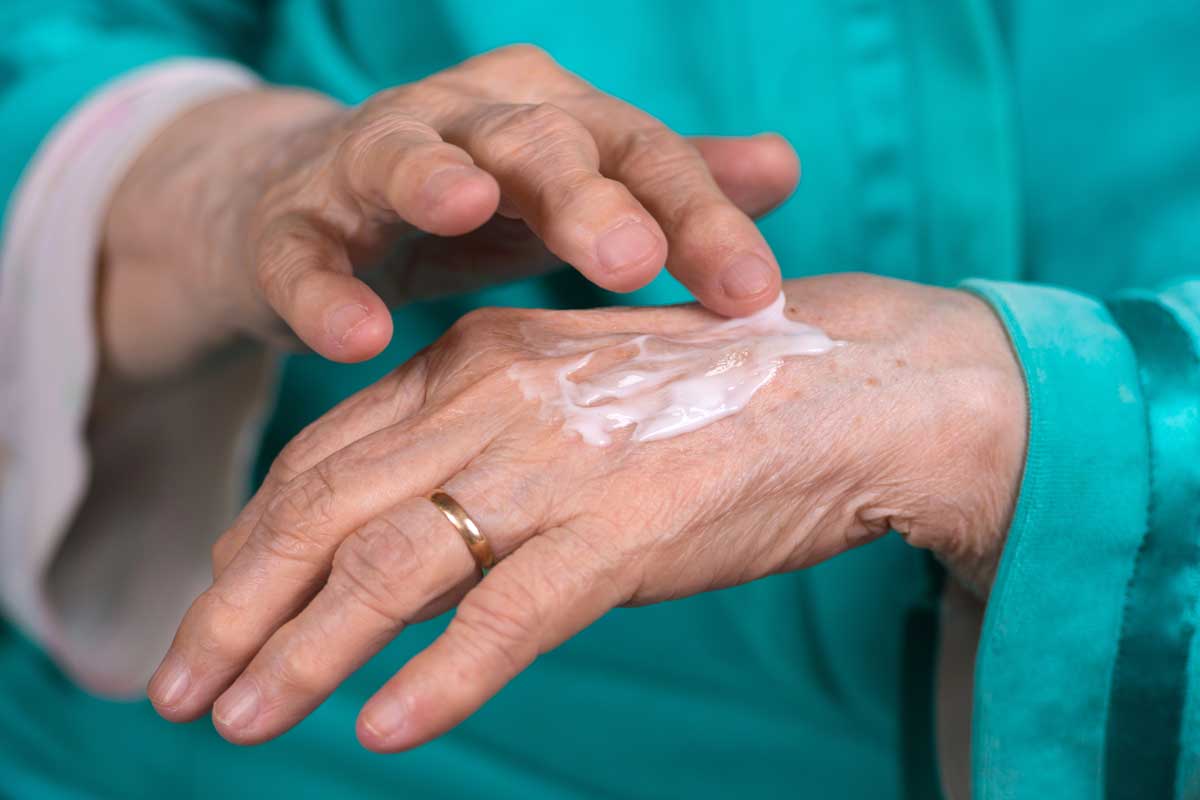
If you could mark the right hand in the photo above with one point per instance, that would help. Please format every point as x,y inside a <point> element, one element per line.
<point>259,207</point>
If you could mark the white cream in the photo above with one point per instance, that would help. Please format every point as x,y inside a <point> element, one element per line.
<point>663,386</point>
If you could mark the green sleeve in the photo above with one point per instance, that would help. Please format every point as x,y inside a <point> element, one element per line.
<point>1082,675</point>
<point>52,54</point>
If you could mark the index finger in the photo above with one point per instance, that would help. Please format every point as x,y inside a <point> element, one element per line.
<point>713,247</point>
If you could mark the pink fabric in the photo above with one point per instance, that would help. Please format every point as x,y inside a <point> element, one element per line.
<point>104,536</point>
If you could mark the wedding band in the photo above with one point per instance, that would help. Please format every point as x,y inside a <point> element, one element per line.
<point>476,542</point>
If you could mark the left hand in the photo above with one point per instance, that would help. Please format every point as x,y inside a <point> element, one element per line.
<point>917,424</point>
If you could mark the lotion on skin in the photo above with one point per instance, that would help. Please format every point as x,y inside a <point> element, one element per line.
<point>663,386</point>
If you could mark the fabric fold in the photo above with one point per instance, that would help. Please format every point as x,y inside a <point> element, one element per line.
<point>60,489</point>
<point>1053,623</point>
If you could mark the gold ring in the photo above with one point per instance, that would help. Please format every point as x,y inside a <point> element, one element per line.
<point>477,543</point>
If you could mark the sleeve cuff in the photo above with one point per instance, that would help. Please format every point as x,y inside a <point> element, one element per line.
<point>1054,618</point>
<point>95,572</point>
<point>72,63</point>
<point>1153,726</point>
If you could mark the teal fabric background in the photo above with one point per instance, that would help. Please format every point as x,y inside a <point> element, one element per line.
<point>1006,141</point>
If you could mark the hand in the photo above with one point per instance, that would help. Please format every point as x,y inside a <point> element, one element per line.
<point>261,206</point>
<point>916,424</point>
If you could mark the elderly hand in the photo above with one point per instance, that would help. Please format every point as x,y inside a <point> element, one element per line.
<point>916,423</point>
<point>260,207</point>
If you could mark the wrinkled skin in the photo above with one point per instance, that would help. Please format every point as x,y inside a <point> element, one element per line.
<point>916,424</point>
<point>258,216</point>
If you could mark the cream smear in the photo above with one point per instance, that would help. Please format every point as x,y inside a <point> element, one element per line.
<point>663,386</point>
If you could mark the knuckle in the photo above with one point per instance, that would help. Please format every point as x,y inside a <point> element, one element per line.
<point>514,71</point>
<point>273,258</point>
<point>300,669</point>
<point>502,622</point>
<point>526,131</point>
<point>581,188</point>
<point>371,564</point>
<point>597,559</point>
<point>283,252</point>
<point>285,542</point>
<point>409,389</point>
<point>299,454</point>
<point>523,116</point>
<point>478,344</point>
<point>290,520</point>
<point>373,126</point>
<point>702,222</point>
<point>220,632</point>
<point>222,553</point>
<point>529,55</point>
<point>654,151</point>
<point>478,322</point>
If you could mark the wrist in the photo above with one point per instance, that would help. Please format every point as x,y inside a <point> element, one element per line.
<point>174,284</point>
<point>977,455</point>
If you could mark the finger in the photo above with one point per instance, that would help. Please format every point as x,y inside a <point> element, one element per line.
<point>556,584</point>
<point>398,163</point>
<point>382,576</point>
<point>381,405</point>
<point>289,551</point>
<point>756,172</point>
<point>547,166</point>
<point>305,275</point>
<point>399,568</point>
<point>715,249</point>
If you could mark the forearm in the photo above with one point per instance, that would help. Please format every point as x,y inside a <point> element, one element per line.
<point>174,283</point>
<point>58,434</point>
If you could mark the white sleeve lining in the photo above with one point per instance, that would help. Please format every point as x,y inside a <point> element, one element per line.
<point>105,534</point>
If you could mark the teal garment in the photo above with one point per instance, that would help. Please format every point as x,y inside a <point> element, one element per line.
<point>1006,144</point>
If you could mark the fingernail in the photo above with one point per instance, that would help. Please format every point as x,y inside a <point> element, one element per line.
<point>238,706</point>
<point>170,682</point>
<point>344,320</point>
<point>748,276</point>
<point>625,245</point>
<point>383,719</point>
<point>442,181</point>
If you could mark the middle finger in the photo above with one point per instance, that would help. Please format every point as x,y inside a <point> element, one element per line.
<point>716,250</point>
<point>547,166</point>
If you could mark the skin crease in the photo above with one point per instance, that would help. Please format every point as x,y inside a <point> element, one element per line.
<point>916,424</point>
<point>275,214</point>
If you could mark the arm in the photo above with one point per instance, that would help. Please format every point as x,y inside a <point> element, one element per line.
<point>86,86</point>
<point>242,222</point>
